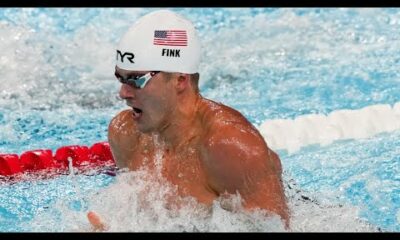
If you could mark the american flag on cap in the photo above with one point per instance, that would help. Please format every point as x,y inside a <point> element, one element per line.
<point>170,37</point>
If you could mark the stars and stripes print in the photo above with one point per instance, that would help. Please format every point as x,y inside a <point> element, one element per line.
<point>170,37</point>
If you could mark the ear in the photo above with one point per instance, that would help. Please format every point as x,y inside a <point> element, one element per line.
<point>182,82</point>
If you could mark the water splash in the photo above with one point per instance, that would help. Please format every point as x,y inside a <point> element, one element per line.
<point>70,167</point>
<point>136,202</point>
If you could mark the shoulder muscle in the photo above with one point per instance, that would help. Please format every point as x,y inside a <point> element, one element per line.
<point>122,136</point>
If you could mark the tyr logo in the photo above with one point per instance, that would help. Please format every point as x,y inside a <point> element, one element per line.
<point>128,55</point>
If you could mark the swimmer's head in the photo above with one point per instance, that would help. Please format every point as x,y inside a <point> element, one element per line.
<point>160,41</point>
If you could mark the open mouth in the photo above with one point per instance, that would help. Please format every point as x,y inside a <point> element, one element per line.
<point>136,112</point>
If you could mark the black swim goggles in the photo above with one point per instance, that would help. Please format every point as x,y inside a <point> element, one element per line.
<point>136,81</point>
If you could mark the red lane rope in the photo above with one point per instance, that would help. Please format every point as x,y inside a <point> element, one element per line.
<point>98,155</point>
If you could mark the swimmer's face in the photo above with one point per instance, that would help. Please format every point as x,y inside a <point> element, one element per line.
<point>151,104</point>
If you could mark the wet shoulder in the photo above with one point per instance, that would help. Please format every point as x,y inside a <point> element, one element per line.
<point>123,132</point>
<point>217,115</point>
<point>126,141</point>
<point>225,124</point>
<point>123,123</point>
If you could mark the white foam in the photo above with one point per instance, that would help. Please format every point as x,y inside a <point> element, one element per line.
<point>16,56</point>
<point>137,202</point>
<point>309,217</point>
<point>41,69</point>
<point>292,134</point>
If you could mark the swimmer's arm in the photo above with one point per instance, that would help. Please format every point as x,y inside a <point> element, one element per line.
<point>122,137</point>
<point>118,138</point>
<point>239,160</point>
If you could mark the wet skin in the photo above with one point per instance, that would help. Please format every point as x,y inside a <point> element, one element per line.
<point>208,149</point>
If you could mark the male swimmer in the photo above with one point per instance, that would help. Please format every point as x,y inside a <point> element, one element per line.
<point>209,149</point>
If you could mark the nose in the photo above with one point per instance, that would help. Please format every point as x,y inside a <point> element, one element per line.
<point>126,91</point>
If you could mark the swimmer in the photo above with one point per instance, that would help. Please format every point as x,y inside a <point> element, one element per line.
<point>209,149</point>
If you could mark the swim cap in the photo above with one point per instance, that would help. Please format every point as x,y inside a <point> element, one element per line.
<point>160,41</point>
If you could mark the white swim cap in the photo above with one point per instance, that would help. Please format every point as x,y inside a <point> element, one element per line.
<point>160,41</point>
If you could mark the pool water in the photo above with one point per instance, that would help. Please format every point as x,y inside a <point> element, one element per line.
<point>321,85</point>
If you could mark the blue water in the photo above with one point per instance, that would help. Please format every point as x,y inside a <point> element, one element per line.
<point>58,89</point>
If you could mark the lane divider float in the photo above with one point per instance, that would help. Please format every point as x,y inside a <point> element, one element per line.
<point>82,157</point>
